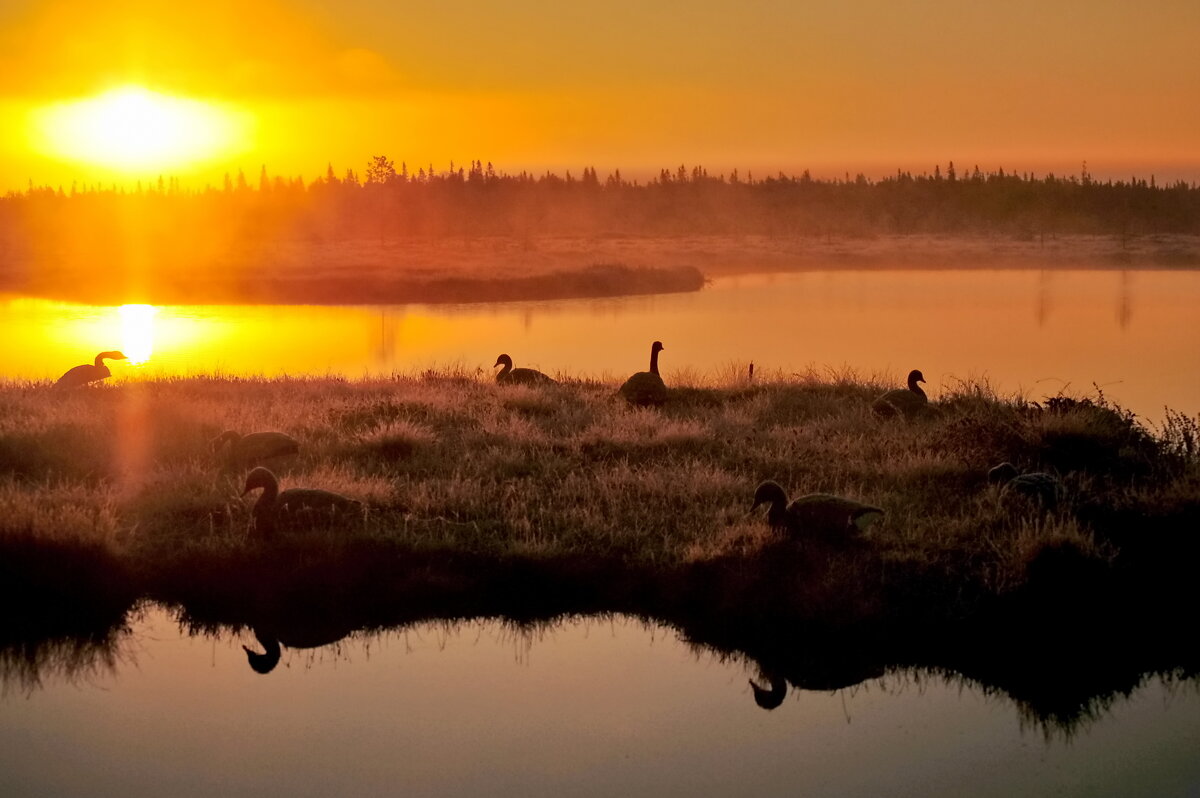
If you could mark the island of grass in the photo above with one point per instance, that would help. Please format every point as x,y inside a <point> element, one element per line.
<point>533,501</point>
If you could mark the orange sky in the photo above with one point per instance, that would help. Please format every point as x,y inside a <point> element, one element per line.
<point>832,86</point>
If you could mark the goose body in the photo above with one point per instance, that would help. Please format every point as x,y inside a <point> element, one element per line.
<point>256,447</point>
<point>646,387</point>
<point>815,514</point>
<point>905,402</point>
<point>511,376</point>
<point>274,506</point>
<point>88,372</point>
<point>1036,486</point>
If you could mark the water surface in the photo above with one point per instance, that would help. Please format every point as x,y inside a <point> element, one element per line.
<point>1134,334</point>
<point>592,706</point>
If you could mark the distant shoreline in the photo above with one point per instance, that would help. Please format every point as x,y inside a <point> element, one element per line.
<point>511,269</point>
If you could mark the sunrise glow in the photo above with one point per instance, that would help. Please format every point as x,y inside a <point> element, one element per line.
<point>135,128</point>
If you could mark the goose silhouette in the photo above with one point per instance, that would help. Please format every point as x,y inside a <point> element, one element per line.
<point>274,506</point>
<point>907,402</point>
<point>815,514</point>
<point>522,376</point>
<point>255,447</point>
<point>646,387</point>
<point>89,372</point>
<point>1035,486</point>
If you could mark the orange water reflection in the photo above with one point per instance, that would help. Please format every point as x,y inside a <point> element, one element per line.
<point>479,708</point>
<point>1136,334</point>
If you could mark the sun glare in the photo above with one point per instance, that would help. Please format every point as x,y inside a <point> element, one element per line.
<point>137,332</point>
<point>133,127</point>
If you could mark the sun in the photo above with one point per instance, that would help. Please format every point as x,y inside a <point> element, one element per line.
<point>137,331</point>
<point>132,128</point>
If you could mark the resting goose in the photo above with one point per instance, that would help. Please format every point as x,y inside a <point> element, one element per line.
<point>815,514</point>
<point>293,501</point>
<point>511,376</point>
<point>254,448</point>
<point>1036,486</point>
<point>906,402</point>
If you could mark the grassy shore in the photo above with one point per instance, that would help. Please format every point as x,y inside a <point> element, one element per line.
<point>531,501</point>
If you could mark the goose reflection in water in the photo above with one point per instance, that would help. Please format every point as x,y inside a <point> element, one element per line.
<point>772,696</point>
<point>815,675</point>
<point>273,640</point>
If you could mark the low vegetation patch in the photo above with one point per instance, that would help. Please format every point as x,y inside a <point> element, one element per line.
<point>477,493</point>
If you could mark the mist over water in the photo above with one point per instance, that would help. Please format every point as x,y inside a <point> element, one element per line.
<point>1038,332</point>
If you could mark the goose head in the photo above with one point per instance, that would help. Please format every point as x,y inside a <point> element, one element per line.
<point>914,377</point>
<point>1002,473</point>
<point>113,355</point>
<point>769,492</point>
<point>260,478</point>
<point>503,360</point>
<point>228,436</point>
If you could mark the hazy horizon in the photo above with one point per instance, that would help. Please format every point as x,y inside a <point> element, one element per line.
<point>1165,174</point>
<point>826,87</point>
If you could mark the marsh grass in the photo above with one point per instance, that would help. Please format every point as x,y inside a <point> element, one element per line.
<point>450,465</point>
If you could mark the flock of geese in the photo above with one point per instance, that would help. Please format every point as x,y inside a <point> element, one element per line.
<point>812,516</point>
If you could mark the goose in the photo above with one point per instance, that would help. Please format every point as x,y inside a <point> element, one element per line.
<point>1036,486</point>
<point>906,402</point>
<point>511,376</point>
<point>646,387</point>
<point>292,501</point>
<point>88,372</point>
<point>818,514</point>
<point>255,447</point>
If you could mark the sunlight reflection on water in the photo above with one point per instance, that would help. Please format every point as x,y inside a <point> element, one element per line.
<point>1036,332</point>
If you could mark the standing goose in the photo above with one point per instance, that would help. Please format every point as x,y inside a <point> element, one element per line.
<point>272,504</point>
<point>254,448</point>
<point>906,402</point>
<point>1036,486</point>
<point>646,387</point>
<point>815,514</point>
<point>88,372</point>
<point>511,376</point>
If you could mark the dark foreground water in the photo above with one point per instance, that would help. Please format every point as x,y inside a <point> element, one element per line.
<point>593,706</point>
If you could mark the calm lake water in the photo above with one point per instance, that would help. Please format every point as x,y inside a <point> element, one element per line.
<point>591,706</point>
<point>1136,334</point>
